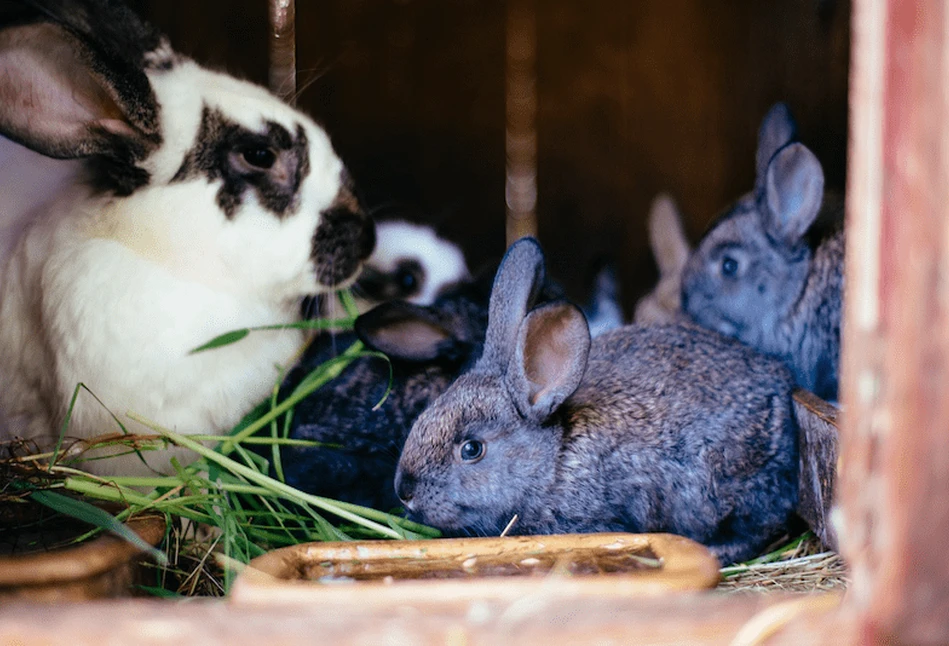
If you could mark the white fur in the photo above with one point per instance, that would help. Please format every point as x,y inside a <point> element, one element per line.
<point>442,261</point>
<point>115,292</point>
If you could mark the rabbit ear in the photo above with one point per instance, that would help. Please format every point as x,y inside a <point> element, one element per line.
<point>667,237</point>
<point>405,331</point>
<point>553,345</point>
<point>65,97</point>
<point>777,130</point>
<point>794,191</point>
<point>519,280</point>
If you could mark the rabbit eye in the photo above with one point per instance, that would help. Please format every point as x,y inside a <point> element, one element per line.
<point>472,450</point>
<point>262,158</point>
<point>729,266</point>
<point>407,280</point>
<point>407,276</point>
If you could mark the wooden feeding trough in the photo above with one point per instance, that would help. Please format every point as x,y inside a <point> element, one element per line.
<point>457,570</point>
<point>101,568</point>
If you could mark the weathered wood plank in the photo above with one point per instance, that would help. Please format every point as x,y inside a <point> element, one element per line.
<point>818,445</point>
<point>894,480</point>
<point>677,619</point>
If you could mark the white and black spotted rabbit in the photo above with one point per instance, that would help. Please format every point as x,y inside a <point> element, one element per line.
<point>197,204</point>
<point>669,428</point>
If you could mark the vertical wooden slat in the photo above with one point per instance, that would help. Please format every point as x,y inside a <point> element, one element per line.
<point>283,49</point>
<point>895,442</point>
<point>521,123</point>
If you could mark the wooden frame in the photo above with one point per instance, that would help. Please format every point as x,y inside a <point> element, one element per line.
<point>894,478</point>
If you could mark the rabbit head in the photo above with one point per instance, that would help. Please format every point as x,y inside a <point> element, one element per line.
<point>484,447</point>
<point>427,347</point>
<point>211,177</point>
<point>201,204</point>
<point>361,418</point>
<point>752,265</point>
<point>670,247</point>
<point>411,263</point>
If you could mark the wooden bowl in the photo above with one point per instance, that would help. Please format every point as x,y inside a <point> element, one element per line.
<point>101,568</point>
<point>469,569</point>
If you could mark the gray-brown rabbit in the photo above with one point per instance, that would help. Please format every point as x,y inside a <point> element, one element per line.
<point>754,275</point>
<point>668,428</point>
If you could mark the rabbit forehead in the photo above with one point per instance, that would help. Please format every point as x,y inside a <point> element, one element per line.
<point>189,94</point>
<point>473,401</point>
<point>739,226</point>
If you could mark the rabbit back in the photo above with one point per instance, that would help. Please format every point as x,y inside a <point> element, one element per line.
<point>686,431</point>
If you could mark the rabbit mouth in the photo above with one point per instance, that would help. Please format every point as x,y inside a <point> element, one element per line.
<point>457,521</point>
<point>714,320</point>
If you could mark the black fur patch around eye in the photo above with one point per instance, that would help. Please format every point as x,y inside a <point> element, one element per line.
<point>215,153</point>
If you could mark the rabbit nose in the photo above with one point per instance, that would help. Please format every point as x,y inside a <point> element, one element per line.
<point>343,240</point>
<point>405,488</point>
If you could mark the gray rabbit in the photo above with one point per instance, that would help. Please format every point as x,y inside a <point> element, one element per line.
<point>647,428</point>
<point>754,275</point>
<point>427,346</point>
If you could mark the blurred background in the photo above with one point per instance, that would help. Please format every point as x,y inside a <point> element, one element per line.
<point>634,97</point>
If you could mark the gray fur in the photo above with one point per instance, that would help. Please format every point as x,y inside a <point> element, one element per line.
<point>427,348</point>
<point>604,311</point>
<point>668,428</point>
<point>782,298</point>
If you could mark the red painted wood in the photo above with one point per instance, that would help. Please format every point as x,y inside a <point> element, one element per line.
<point>895,479</point>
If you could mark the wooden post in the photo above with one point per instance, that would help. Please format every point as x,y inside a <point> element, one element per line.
<point>521,126</point>
<point>894,479</point>
<point>283,50</point>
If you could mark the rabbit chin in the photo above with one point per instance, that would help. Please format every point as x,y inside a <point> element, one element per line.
<point>460,520</point>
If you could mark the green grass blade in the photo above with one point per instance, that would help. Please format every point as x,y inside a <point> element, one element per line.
<point>91,514</point>
<point>349,303</point>
<point>221,340</point>
<point>234,336</point>
<point>329,370</point>
<point>353,513</point>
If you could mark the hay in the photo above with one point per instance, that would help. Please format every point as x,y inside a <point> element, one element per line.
<point>804,566</point>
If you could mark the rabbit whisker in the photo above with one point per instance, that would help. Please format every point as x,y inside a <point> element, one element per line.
<point>313,74</point>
